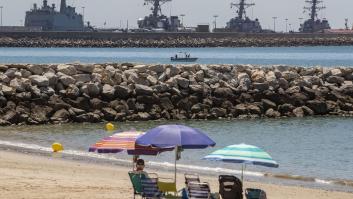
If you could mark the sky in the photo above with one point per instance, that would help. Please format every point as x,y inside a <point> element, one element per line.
<point>118,12</point>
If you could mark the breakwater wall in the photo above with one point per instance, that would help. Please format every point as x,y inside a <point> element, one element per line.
<point>39,94</point>
<point>164,40</point>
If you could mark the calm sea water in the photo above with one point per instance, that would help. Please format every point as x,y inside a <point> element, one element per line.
<point>321,148</point>
<point>301,56</point>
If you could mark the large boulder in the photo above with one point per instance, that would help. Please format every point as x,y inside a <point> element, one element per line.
<point>258,76</point>
<point>36,69</point>
<point>11,116</point>
<point>40,114</point>
<point>87,68</point>
<point>272,113</point>
<point>91,89</point>
<point>335,79</point>
<point>109,114</point>
<point>123,92</point>
<point>261,86</point>
<point>67,80</point>
<point>82,78</point>
<point>183,82</point>
<point>267,104</point>
<point>53,79</point>
<point>318,106</point>
<point>157,68</point>
<point>143,90</point>
<point>108,92</point>
<point>67,69</point>
<point>299,112</point>
<point>60,116</point>
<point>39,80</point>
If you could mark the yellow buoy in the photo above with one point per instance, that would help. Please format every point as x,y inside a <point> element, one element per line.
<point>57,147</point>
<point>110,127</point>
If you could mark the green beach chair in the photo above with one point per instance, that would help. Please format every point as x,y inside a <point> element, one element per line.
<point>255,194</point>
<point>136,182</point>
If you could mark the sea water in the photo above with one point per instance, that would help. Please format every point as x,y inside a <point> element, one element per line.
<point>314,151</point>
<point>295,56</point>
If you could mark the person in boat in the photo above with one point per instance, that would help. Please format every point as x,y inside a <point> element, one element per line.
<point>176,56</point>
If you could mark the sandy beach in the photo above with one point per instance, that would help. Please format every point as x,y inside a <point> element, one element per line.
<point>33,177</point>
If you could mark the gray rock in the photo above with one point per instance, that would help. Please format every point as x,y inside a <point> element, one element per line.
<point>335,79</point>
<point>39,80</point>
<point>72,91</point>
<point>36,69</point>
<point>199,76</point>
<point>218,112</point>
<point>67,80</point>
<point>18,84</point>
<point>336,72</point>
<point>272,113</point>
<point>53,79</point>
<point>166,104</point>
<point>91,89</point>
<point>123,92</point>
<point>290,75</point>
<point>283,83</point>
<point>152,80</point>
<point>156,68</point>
<point>109,114</point>
<point>258,76</point>
<point>4,78</point>
<point>182,82</point>
<point>11,116</point>
<point>299,112</point>
<point>308,111</point>
<point>60,116</point>
<point>25,73</point>
<point>318,106</point>
<point>140,68</point>
<point>268,104</point>
<point>143,90</point>
<point>108,92</point>
<point>171,71</point>
<point>3,68</point>
<point>87,68</point>
<point>82,78</point>
<point>261,86</point>
<point>10,72</point>
<point>67,69</point>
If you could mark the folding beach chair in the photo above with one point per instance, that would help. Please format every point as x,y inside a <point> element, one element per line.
<point>197,190</point>
<point>167,185</point>
<point>230,187</point>
<point>191,178</point>
<point>255,194</point>
<point>136,182</point>
<point>150,188</point>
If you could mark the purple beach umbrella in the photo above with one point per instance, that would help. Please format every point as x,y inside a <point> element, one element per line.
<point>176,136</point>
<point>167,136</point>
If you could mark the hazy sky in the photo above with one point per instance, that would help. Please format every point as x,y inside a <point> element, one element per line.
<point>196,11</point>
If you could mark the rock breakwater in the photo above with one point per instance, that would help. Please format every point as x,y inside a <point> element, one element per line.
<point>181,42</point>
<point>39,94</point>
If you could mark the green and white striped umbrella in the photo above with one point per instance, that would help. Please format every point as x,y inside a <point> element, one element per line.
<point>244,154</point>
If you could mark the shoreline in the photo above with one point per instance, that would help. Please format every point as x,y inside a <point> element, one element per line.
<point>49,177</point>
<point>261,177</point>
<point>61,93</point>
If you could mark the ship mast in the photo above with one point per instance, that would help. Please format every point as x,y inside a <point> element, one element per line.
<point>242,6</point>
<point>156,9</point>
<point>314,8</point>
<point>63,6</point>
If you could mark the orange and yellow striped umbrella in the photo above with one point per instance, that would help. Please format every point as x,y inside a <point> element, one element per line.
<point>124,141</point>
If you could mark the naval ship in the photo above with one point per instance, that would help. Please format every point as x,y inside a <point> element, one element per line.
<point>157,21</point>
<point>314,24</point>
<point>48,19</point>
<point>242,23</point>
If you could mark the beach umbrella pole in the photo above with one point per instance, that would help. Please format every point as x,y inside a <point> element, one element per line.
<point>175,161</point>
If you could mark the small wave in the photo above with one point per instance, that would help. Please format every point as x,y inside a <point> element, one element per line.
<point>181,166</point>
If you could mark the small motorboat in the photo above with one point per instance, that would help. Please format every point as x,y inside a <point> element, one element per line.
<point>183,57</point>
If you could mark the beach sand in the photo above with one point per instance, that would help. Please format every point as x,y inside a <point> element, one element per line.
<point>24,176</point>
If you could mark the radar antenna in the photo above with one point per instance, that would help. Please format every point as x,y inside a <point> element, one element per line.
<point>156,9</point>
<point>242,6</point>
<point>314,8</point>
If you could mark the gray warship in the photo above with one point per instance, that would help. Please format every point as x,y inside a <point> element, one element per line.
<point>242,23</point>
<point>314,24</point>
<point>48,19</point>
<point>157,21</point>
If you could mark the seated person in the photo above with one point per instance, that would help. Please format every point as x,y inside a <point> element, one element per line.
<point>140,165</point>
